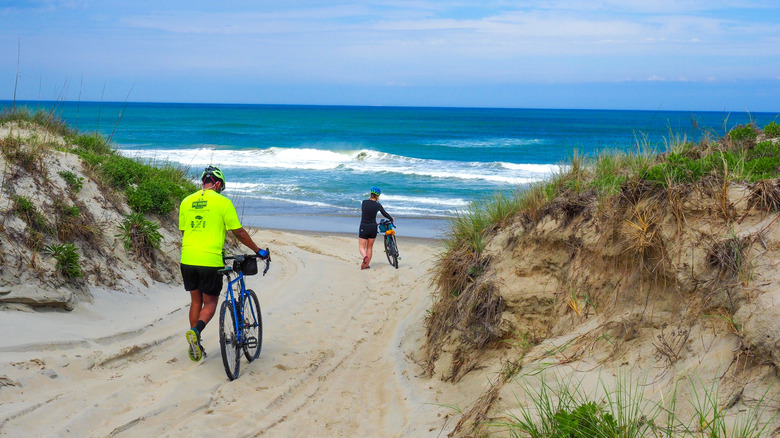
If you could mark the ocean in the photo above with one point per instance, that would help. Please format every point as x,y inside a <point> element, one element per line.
<point>308,167</point>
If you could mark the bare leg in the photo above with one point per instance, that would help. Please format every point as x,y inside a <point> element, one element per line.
<point>370,249</point>
<point>195,306</point>
<point>203,307</point>
<point>209,307</point>
<point>362,244</point>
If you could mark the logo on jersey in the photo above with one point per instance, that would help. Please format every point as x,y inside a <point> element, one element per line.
<point>198,222</point>
<point>199,204</point>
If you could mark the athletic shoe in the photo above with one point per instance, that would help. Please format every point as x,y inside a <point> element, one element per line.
<point>364,265</point>
<point>195,351</point>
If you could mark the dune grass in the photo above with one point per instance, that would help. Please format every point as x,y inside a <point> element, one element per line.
<point>606,175</point>
<point>563,408</point>
<point>148,187</point>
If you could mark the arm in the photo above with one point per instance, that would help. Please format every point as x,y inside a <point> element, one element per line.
<point>384,213</point>
<point>244,238</point>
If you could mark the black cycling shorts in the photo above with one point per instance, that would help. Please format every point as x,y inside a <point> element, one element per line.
<point>367,231</point>
<point>206,279</point>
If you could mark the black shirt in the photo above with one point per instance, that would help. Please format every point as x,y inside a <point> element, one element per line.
<point>370,209</point>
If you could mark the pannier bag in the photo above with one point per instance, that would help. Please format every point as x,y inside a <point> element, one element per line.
<point>246,265</point>
<point>385,225</point>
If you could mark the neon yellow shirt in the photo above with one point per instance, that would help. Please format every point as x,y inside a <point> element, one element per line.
<point>205,216</point>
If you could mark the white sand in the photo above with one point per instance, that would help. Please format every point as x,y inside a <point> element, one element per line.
<point>335,359</point>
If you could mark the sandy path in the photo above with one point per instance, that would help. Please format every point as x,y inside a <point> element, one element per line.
<point>335,358</point>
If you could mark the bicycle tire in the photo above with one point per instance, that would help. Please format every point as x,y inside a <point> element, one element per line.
<point>228,341</point>
<point>253,326</point>
<point>393,252</point>
<point>388,249</point>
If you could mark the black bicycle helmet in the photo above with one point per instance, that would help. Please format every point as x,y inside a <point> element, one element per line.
<point>213,174</point>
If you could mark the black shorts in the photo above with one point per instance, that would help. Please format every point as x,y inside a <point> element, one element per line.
<point>206,279</point>
<point>367,231</point>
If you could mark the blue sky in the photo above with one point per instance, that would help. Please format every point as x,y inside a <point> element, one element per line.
<point>614,54</point>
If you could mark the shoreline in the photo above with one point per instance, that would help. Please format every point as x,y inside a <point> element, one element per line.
<point>415,228</point>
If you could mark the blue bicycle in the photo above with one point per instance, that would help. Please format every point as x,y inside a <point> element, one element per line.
<point>240,323</point>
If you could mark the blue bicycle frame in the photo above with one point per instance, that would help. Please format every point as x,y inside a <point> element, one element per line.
<point>242,295</point>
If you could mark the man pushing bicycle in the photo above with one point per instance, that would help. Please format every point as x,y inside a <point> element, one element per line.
<point>204,218</point>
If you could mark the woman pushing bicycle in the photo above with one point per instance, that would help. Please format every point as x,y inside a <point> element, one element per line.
<point>370,207</point>
<point>204,218</point>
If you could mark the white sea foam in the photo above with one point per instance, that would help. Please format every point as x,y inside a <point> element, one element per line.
<point>451,202</point>
<point>358,161</point>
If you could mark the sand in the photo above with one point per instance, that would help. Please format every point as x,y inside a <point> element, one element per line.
<point>337,357</point>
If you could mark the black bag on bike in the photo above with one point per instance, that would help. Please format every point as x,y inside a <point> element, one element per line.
<point>248,266</point>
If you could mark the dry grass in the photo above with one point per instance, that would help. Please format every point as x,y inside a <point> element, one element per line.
<point>730,257</point>
<point>669,345</point>
<point>643,236</point>
<point>473,317</point>
<point>765,195</point>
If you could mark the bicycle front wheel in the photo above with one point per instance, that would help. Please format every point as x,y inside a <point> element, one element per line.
<point>228,340</point>
<point>253,326</point>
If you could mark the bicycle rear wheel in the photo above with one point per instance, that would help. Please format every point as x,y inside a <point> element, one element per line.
<point>389,248</point>
<point>392,251</point>
<point>253,326</point>
<point>228,340</point>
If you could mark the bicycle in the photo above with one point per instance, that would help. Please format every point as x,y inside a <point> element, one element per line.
<point>391,249</point>
<point>240,323</point>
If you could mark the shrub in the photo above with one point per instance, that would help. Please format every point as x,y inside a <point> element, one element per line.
<point>772,130</point>
<point>152,196</point>
<point>764,149</point>
<point>121,172</point>
<point>679,169</point>
<point>93,143</point>
<point>67,259</point>
<point>743,133</point>
<point>75,182</point>
<point>140,234</point>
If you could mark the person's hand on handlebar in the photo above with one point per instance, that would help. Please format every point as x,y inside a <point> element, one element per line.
<point>262,253</point>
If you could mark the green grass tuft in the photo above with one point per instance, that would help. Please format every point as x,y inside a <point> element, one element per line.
<point>67,259</point>
<point>74,182</point>
<point>140,235</point>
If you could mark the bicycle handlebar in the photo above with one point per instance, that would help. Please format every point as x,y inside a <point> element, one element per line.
<point>242,257</point>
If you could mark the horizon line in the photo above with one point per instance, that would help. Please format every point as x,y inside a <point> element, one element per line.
<point>58,102</point>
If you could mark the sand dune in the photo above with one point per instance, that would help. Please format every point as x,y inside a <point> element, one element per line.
<point>337,358</point>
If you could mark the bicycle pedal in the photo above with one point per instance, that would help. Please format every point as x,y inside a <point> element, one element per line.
<point>251,342</point>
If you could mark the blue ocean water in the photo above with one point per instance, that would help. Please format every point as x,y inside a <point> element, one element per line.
<point>429,162</point>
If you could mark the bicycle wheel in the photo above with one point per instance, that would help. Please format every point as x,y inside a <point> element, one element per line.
<point>228,341</point>
<point>393,254</point>
<point>253,326</point>
<point>389,248</point>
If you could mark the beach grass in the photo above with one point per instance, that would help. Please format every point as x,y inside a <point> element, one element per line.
<point>562,407</point>
<point>150,187</point>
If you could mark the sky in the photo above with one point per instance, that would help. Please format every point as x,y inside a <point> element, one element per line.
<point>593,54</point>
